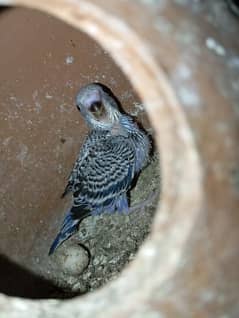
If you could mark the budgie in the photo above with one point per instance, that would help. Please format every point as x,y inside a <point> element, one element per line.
<point>112,156</point>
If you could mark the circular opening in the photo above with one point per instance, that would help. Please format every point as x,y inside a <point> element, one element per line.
<point>176,210</point>
<point>42,132</point>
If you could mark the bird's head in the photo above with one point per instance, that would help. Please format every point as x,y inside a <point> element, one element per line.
<point>97,106</point>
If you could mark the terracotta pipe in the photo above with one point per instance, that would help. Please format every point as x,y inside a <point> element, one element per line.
<point>182,62</point>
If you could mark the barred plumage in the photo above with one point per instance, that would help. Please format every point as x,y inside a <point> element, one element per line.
<point>111,157</point>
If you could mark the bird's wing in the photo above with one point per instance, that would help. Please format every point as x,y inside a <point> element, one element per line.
<point>105,173</point>
<point>74,172</point>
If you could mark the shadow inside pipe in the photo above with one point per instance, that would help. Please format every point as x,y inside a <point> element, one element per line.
<point>3,9</point>
<point>19,282</point>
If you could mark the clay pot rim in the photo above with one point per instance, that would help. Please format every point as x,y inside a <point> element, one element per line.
<point>180,166</point>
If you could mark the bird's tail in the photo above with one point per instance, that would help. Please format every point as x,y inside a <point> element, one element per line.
<point>69,227</point>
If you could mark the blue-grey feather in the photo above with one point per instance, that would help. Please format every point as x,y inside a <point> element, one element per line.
<point>113,154</point>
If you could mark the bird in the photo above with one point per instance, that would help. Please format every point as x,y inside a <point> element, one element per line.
<point>113,154</point>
